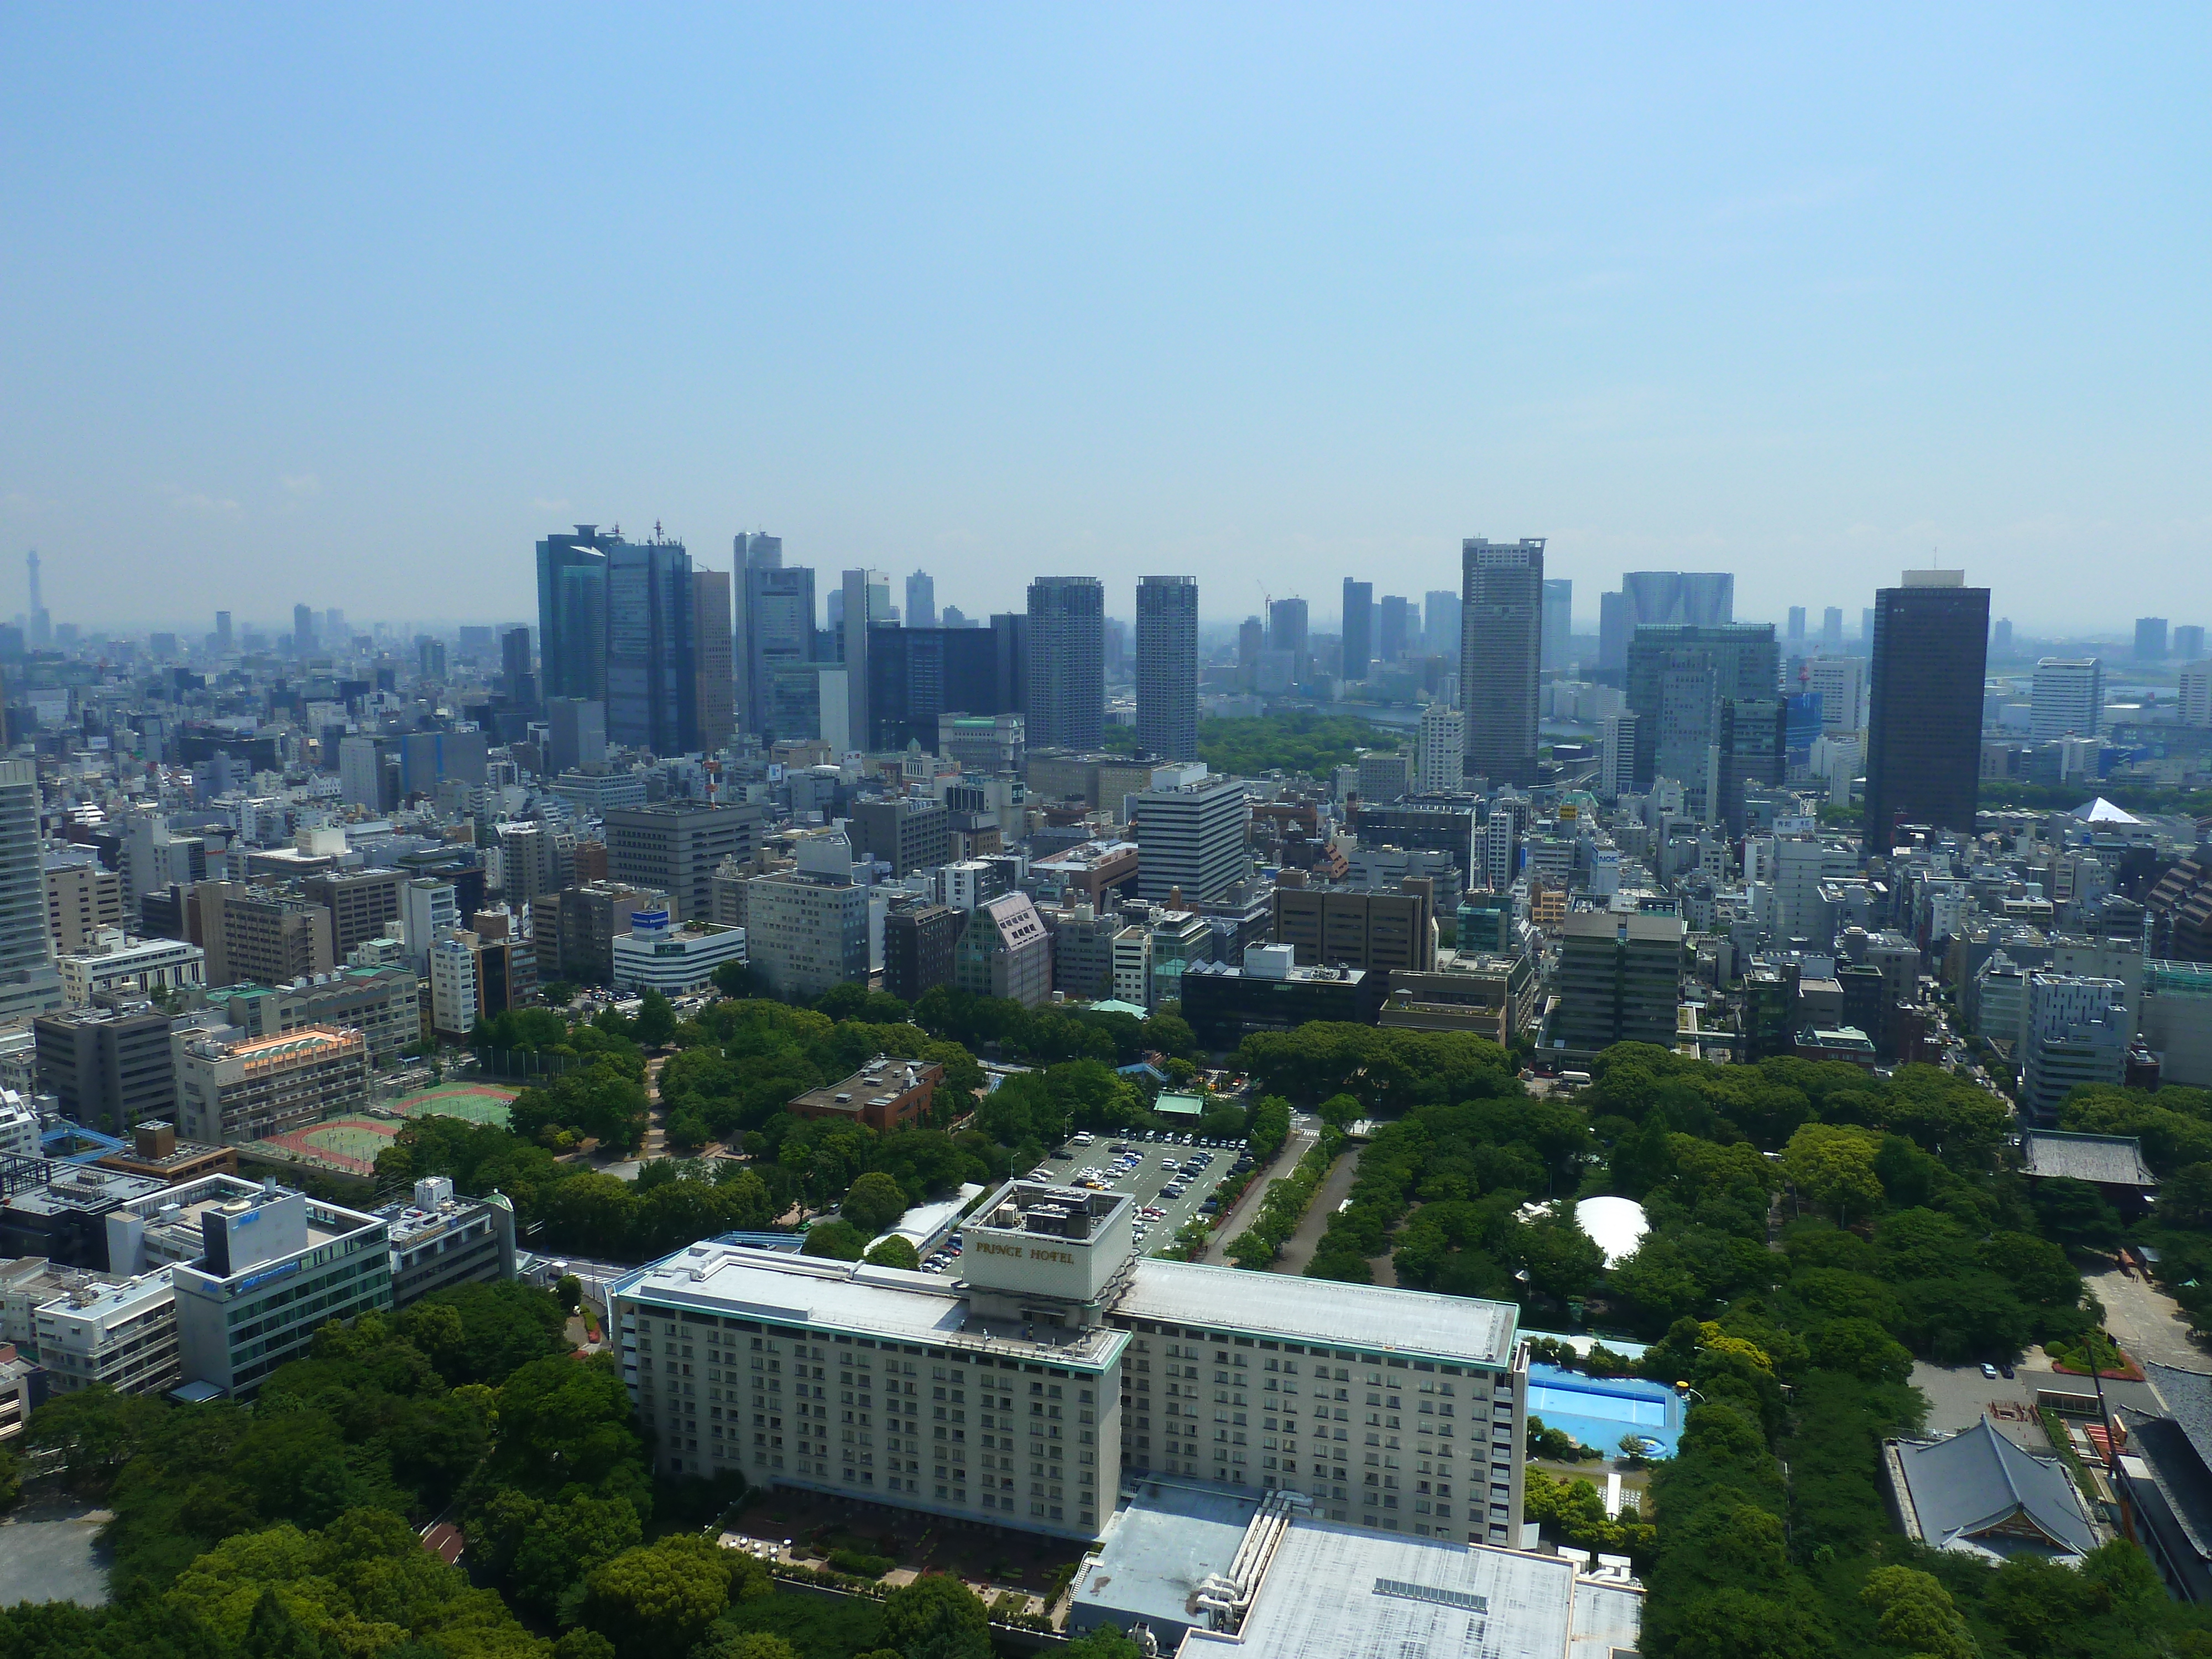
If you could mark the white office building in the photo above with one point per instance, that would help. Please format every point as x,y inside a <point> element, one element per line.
<point>428,913</point>
<point>1192,830</point>
<point>807,929</point>
<point>1440,750</point>
<point>2076,1031</point>
<point>452,987</point>
<point>1840,682</point>
<point>1058,1365</point>
<point>116,962</point>
<point>118,1335</point>
<point>2067,699</point>
<point>657,955</point>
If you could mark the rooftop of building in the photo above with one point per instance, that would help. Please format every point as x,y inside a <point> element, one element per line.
<point>83,1189</point>
<point>1158,1551</point>
<point>1330,1590</point>
<point>340,978</point>
<point>879,1081</point>
<point>2104,1160</point>
<point>1293,975</point>
<point>879,1303</point>
<point>411,1223</point>
<point>178,1220</point>
<point>309,1042</point>
<point>1976,1485</point>
<point>1368,1318</point>
<point>1087,856</point>
<point>95,1300</point>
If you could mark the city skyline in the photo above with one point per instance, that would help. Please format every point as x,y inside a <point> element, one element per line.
<point>881,326</point>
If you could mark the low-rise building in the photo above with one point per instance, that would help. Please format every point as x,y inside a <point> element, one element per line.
<point>1976,1493</point>
<point>157,1151</point>
<point>120,1335</point>
<point>885,1094</point>
<point>1271,993</point>
<point>1490,993</point>
<point>233,1088</point>
<point>439,1240</point>
<point>655,956</point>
<point>919,941</point>
<point>1005,951</point>
<point>107,1068</point>
<point>64,1218</point>
<point>380,1003</point>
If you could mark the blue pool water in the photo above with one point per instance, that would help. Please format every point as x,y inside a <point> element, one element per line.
<point>1597,1411</point>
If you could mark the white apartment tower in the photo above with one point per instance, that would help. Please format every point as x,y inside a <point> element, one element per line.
<point>1440,750</point>
<point>2069,698</point>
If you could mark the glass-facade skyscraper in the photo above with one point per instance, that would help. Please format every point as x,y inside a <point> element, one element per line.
<point>1358,629</point>
<point>1167,667</point>
<point>652,686</point>
<point>572,614</point>
<point>1924,725</point>
<point>1066,706</point>
<point>1501,649</point>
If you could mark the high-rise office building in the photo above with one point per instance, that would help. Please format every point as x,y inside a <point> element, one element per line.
<point>675,847</point>
<point>576,735</point>
<point>1704,598</point>
<point>1358,629</point>
<point>1066,706</point>
<point>222,635</point>
<point>1395,618</point>
<point>1501,646</point>
<point>30,983</point>
<point>1832,628</point>
<point>651,676</point>
<point>920,600</point>
<point>1924,720</point>
<point>2150,639</point>
<point>1616,622</point>
<point>1167,667</point>
<point>918,676</point>
<point>2194,692</point>
<point>2188,642</point>
<point>715,693</point>
<point>1251,641</point>
<point>1797,623</point>
<point>1681,679</point>
<point>572,613</point>
<point>863,597</point>
<point>2068,700</point>
<point>1616,772</point>
<point>1840,683</point>
<point>2000,637</point>
<point>1559,622</point>
<point>1286,626</point>
<point>303,628</point>
<point>1440,621</point>
<point>1440,752</point>
<point>776,640</point>
<point>1192,829</point>
<point>514,667</point>
<point>41,631</point>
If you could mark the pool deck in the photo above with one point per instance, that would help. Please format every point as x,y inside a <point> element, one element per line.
<point>1598,1410</point>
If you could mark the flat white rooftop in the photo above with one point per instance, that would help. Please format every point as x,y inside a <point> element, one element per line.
<point>736,1281</point>
<point>1456,1329</point>
<point>1340,1592</point>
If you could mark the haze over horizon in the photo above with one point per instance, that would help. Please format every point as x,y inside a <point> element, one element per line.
<point>309,307</point>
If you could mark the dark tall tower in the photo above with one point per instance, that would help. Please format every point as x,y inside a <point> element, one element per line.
<point>1501,646</point>
<point>652,685</point>
<point>1358,629</point>
<point>515,668</point>
<point>1167,667</point>
<point>1066,706</point>
<point>1924,730</point>
<point>713,672</point>
<point>572,613</point>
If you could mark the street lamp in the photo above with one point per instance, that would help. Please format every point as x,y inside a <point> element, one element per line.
<point>1683,1387</point>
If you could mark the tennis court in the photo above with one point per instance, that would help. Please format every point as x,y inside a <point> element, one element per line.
<point>479,1103</point>
<point>349,1145</point>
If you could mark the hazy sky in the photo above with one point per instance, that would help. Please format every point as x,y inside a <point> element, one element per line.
<point>347,305</point>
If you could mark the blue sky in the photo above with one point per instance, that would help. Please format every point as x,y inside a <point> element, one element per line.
<point>348,305</point>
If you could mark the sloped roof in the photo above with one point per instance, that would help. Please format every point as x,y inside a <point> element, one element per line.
<point>1964,1486</point>
<point>2101,811</point>
<point>2106,1160</point>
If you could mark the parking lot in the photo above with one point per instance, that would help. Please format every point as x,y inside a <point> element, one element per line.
<point>1157,1166</point>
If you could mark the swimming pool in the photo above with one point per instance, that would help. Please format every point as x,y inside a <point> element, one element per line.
<point>1547,1400</point>
<point>1597,1411</point>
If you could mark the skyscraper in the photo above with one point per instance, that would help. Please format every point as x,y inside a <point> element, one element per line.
<point>2000,638</point>
<point>515,668</point>
<point>40,631</point>
<point>1167,667</point>
<point>920,600</point>
<point>29,982</point>
<point>2188,642</point>
<point>1358,629</point>
<point>1501,646</point>
<point>303,628</point>
<point>1066,705</point>
<point>1559,622</point>
<point>2068,700</point>
<point>651,674</point>
<point>1395,620</point>
<point>1796,622</point>
<point>1440,621</point>
<point>1832,628</point>
<point>1251,641</point>
<point>1924,725</point>
<point>1704,598</point>
<point>222,636</point>
<point>2150,639</point>
<point>1616,622</point>
<point>714,674</point>
<point>1286,626</point>
<point>1682,680</point>
<point>1440,749</point>
<point>572,613</point>
<point>775,629</point>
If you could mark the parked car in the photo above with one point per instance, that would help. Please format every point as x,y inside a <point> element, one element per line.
<point>1989,1371</point>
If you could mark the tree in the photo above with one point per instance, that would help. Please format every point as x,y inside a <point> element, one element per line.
<point>570,1292</point>
<point>11,1478</point>
<point>659,1598</point>
<point>940,1611</point>
<point>656,1020</point>
<point>2075,1213</point>
<point>1106,1642</point>
<point>1834,1167</point>
<point>874,1203</point>
<point>745,1644</point>
<point>839,1240</point>
<point>895,1250</point>
<point>1915,1612</point>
